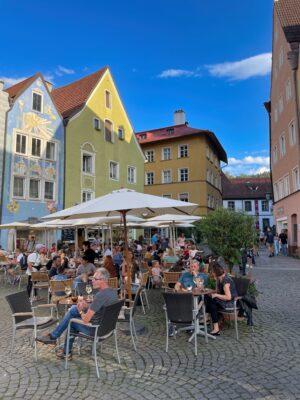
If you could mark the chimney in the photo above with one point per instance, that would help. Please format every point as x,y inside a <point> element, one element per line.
<point>1,85</point>
<point>179,117</point>
<point>49,86</point>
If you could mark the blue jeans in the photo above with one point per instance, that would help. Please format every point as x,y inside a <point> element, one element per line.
<point>75,327</point>
<point>276,247</point>
<point>284,249</point>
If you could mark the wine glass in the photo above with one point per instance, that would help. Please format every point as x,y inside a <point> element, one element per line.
<point>68,290</point>
<point>89,290</point>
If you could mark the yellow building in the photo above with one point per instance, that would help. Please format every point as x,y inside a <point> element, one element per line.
<point>101,151</point>
<point>183,163</point>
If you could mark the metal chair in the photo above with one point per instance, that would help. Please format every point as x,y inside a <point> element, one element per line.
<point>241,285</point>
<point>40,280</point>
<point>179,310</point>
<point>104,324</point>
<point>129,312</point>
<point>25,316</point>
<point>143,292</point>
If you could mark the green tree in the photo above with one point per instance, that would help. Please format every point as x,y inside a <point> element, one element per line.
<point>227,232</point>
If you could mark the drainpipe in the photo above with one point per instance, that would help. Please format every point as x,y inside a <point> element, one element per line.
<point>268,107</point>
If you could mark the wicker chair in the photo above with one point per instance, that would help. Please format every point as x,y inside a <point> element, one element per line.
<point>59,287</point>
<point>105,327</point>
<point>143,292</point>
<point>40,280</point>
<point>25,316</point>
<point>113,283</point>
<point>170,278</point>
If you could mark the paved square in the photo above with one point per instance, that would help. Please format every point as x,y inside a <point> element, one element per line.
<point>263,365</point>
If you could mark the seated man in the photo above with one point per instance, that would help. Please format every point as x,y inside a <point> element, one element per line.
<point>84,270</point>
<point>56,262</point>
<point>186,280</point>
<point>104,297</point>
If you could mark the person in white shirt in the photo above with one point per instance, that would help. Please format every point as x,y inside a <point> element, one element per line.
<point>107,251</point>
<point>34,263</point>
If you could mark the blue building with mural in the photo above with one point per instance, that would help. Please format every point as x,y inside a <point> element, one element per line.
<point>33,167</point>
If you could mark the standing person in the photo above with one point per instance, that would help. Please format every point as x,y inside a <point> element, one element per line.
<point>283,242</point>
<point>261,238</point>
<point>276,244</point>
<point>104,297</point>
<point>181,241</point>
<point>270,242</point>
<point>34,264</point>
<point>88,252</point>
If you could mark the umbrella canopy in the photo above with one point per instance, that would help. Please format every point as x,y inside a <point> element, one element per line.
<point>15,225</point>
<point>174,218</point>
<point>127,200</point>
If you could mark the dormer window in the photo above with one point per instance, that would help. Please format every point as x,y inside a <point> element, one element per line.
<point>144,136</point>
<point>170,131</point>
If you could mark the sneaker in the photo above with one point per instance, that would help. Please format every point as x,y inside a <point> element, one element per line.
<point>47,339</point>
<point>172,330</point>
<point>61,355</point>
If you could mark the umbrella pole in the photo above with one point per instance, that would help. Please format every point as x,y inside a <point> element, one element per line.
<point>110,234</point>
<point>15,241</point>
<point>127,255</point>
<point>76,241</point>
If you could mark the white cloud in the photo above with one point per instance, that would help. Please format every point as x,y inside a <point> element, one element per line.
<point>248,165</point>
<point>49,77</point>
<point>11,81</point>
<point>179,73</point>
<point>60,71</point>
<point>259,65</point>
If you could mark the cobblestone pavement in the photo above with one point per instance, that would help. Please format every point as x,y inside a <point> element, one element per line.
<point>263,365</point>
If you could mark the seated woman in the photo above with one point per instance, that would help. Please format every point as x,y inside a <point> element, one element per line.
<point>226,292</point>
<point>170,256</point>
<point>108,264</point>
<point>156,274</point>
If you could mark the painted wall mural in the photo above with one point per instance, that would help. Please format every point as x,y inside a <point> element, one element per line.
<point>34,158</point>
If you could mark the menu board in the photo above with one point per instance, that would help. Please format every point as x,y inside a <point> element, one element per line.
<point>68,235</point>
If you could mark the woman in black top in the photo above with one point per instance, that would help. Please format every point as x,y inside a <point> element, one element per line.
<point>226,292</point>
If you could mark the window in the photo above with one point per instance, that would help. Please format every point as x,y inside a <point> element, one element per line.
<point>50,151</point>
<point>36,102</point>
<point>49,191</point>
<point>131,175</point>
<point>166,176</point>
<point>18,190</point>
<point>275,154</point>
<point>121,134</point>
<point>183,175</point>
<point>34,188</point>
<point>108,131</point>
<point>265,205</point>
<point>208,175</point>
<point>167,196</point>
<point>296,178</point>
<point>248,206</point>
<point>286,186</point>
<point>114,170</point>
<point>86,196</point>
<point>184,197</point>
<point>292,133</point>
<point>36,147</point>
<point>280,105</point>
<point>97,124</point>
<point>275,71</point>
<point>149,178</point>
<point>21,144</point>
<point>87,164</point>
<point>207,152</point>
<point>166,153</point>
<point>280,188</point>
<point>276,192</point>
<point>282,146</point>
<point>288,90</point>
<point>183,151</point>
<point>231,205</point>
<point>108,99</point>
<point>276,113</point>
<point>150,155</point>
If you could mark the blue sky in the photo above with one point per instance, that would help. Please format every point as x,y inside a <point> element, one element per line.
<point>210,58</point>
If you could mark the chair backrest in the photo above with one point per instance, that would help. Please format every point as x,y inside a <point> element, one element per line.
<point>144,279</point>
<point>109,318</point>
<point>113,283</point>
<point>171,277</point>
<point>179,306</point>
<point>59,286</point>
<point>19,302</point>
<point>81,289</point>
<point>39,276</point>
<point>136,300</point>
<point>241,285</point>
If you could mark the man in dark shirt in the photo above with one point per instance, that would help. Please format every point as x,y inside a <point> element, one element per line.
<point>88,252</point>
<point>56,262</point>
<point>283,241</point>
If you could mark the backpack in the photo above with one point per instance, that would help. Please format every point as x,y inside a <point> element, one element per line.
<point>23,262</point>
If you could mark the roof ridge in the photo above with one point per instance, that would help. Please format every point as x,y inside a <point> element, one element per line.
<point>172,126</point>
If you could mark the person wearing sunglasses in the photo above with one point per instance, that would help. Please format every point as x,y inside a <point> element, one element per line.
<point>85,311</point>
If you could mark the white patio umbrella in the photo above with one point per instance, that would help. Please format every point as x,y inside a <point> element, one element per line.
<point>12,235</point>
<point>125,202</point>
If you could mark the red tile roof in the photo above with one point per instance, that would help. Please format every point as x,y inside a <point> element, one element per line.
<point>70,99</point>
<point>179,131</point>
<point>245,188</point>
<point>288,12</point>
<point>18,88</point>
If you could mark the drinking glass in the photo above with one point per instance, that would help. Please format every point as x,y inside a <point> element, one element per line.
<point>89,290</point>
<point>68,290</point>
